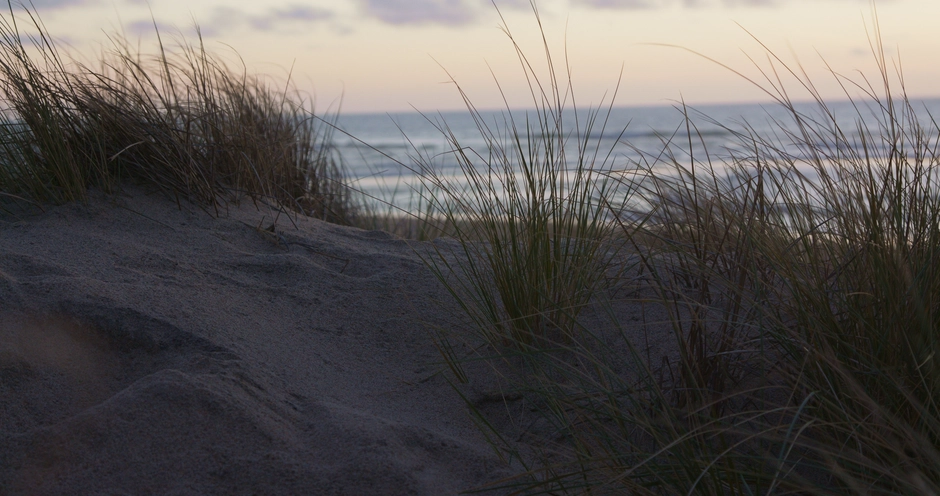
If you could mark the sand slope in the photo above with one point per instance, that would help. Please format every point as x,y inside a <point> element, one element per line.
<point>147,347</point>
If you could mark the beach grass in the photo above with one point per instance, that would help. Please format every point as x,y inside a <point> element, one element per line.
<point>797,279</point>
<point>180,119</point>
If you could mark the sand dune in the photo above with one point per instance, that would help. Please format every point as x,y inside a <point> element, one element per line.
<point>148,347</point>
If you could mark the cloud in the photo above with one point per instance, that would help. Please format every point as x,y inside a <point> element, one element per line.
<point>513,4</point>
<point>401,12</point>
<point>143,28</point>
<point>227,20</point>
<point>621,4</point>
<point>291,14</point>
<point>43,6</point>
<point>753,3</point>
<point>654,4</point>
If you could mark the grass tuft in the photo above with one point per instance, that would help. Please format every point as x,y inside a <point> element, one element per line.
<point>530,213</point>
<point>181,121</point>
<point>796,278</point>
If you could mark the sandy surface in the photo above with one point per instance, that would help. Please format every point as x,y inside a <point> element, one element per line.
<point>150,348</point>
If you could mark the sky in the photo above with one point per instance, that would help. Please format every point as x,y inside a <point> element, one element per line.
<point>397,55</point>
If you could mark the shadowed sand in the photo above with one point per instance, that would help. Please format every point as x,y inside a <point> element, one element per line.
<point>148,348</point>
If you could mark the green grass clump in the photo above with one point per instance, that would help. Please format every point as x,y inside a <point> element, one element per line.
<point>798,279</point>
<point>530,217</point>
<point>181,121</point>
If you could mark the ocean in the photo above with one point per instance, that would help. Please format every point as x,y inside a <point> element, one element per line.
<point>384,154</point>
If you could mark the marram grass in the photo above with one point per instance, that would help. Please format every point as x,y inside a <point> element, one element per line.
<point>801,290</point>
<point>180,120</point>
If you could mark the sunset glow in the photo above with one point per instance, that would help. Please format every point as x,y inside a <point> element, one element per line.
<point>391,55</point>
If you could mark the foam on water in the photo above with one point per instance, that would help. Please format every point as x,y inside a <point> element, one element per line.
<point>380,150</point>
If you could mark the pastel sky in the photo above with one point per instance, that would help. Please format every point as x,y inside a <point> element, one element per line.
<point>391,55</point>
